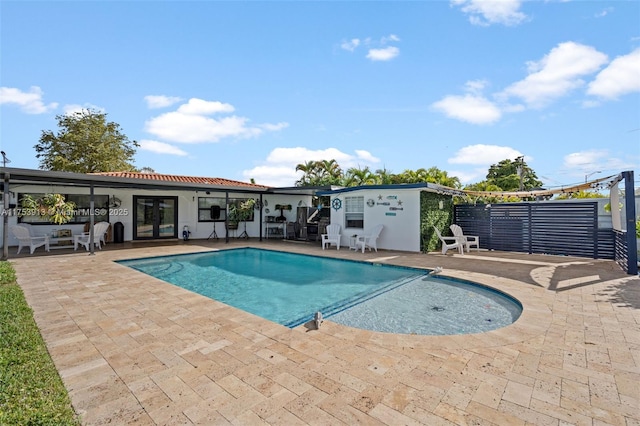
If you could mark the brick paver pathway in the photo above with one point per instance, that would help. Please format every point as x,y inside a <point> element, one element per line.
<point>134,350</point>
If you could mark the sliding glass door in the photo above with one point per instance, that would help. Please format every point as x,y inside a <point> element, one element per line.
<point>156,217</point>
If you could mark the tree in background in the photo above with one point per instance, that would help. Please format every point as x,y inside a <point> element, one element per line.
<point>319,173</point>
<point>491,188</point>
<point>357,177</point>
<point>86,143</point>
<point>513,175</point>
<point>385,177</point>
<point>579,195</point>
<point>328,172</point>
<point>432,174</point>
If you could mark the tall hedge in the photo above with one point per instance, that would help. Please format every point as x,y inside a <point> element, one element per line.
<point>435,210</point>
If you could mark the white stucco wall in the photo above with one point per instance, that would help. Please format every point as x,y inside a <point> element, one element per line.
<point>401,224</point>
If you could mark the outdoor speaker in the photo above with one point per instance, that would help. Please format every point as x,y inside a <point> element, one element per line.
<point>215,212</point>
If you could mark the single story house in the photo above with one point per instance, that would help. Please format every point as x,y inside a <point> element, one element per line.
<point>151,206</point>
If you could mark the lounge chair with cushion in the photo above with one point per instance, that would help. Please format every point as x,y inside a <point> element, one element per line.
<point>369,239</point>
<point>23,235</point>
<point>332,236</point>
<point>99,231</point>
<point>449,242</point>
<point>467,240</point>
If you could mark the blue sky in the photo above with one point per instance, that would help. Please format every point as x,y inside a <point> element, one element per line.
<point>245,90</point>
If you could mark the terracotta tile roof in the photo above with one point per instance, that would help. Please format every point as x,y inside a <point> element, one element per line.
<point>180,179</point>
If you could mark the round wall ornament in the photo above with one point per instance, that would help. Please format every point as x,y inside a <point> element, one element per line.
<point>114,202</point>
<point>336,203</point>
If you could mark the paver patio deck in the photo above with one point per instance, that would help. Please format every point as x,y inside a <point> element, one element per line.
<point>132,349</point>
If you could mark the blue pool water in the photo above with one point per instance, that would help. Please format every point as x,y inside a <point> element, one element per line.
<point>289,288</point>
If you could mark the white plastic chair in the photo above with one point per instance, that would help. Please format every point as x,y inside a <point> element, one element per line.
<point>332,236</point>
<point>23,235</point>
<point>449,242</point>
<point>467,240</point>
<point>99,231</point>
<point>369,239</point>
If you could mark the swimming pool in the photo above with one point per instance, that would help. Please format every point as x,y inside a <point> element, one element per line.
<point>290,288</point>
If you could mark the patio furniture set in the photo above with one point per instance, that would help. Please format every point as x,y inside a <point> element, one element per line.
<point>61,239</point>
<point>356,242</point>
<point>458,241</point>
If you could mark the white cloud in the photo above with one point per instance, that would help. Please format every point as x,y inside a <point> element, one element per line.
<point>485,13</point>
<point>603,12</point>
<point>590,104</point>
<point>484,155</point>
<point>475,86</point>
<point>274,127</point>
<point>597,163</point>
<point>280,164</point>
<point>350,45</point>
<point>385,54</point>
<point>390,37</point>
<point>470,108</point>
<point>584,159</point>
<point>201,107</point>
<point>621,77</point>
<point>160,148</point>
<point>270,175</point>
<point>380,53</point>
<point>298,155</point>
<point>366,156</point>
<point>191,124</point>
<point>29,102</point>
<point>161,101</point>
<point>556,74</point>
<point>470,176</point>
<point>73,108</point>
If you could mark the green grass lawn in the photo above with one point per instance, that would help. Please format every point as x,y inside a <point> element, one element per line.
<point>31,391</point>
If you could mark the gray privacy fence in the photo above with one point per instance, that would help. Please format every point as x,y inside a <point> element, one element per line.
<point>557,228</point>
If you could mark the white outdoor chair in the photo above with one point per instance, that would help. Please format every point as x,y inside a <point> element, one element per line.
<point>467,240</point>
<point>99,231</point>
<point>449,242</point>
<point>23,235</point>
<point>332,236</point>
<point>369,239</point>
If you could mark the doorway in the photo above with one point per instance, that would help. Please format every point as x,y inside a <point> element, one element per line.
<point>156,217</point>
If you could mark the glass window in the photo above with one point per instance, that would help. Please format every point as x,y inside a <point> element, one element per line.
<point>354,212</point>
<point>83,204</point>
<point>80,215</point>
<point>212,209</point>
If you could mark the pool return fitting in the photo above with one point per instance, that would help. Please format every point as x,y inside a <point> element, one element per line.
<point>317,319</point>
<point>436,271</point>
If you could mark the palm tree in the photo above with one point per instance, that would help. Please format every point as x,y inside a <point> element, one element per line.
<point>441,177</point>
<point>331,171</point>
<point>385,177</point>
<point>309,170</point>
<point>361,176</point>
